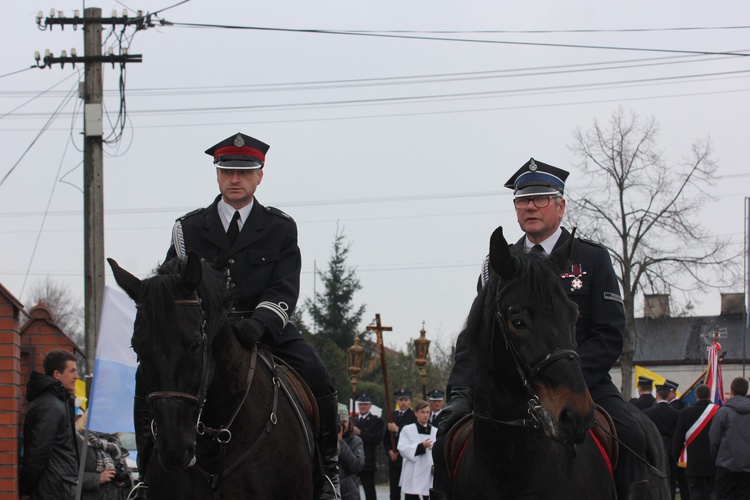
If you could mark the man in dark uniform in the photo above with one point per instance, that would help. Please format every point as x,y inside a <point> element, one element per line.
<point>692,445</point>
<point>674,401</point>
<point>437,400</point>
<point>369,428</point>
<point>401,417</point>
<point>258,246</point>
<point>645,399</point>
<point>592,284</point>
<point>665,417</point>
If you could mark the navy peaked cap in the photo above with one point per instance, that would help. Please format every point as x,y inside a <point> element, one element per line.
<point>537,178</point>
<point>436,395</point>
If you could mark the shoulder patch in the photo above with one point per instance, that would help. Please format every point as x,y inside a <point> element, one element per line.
<point>276,211</point>
<point>613,297</point>
<point>190,214</point>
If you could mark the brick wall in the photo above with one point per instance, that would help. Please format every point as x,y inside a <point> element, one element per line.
<point>10,392</point>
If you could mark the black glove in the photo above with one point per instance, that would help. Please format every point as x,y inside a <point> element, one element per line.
<point>248,332</point>
<point>460,403</point>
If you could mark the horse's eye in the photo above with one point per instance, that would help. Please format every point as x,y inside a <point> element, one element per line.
<point>196,347</point>
<point>517,323</point>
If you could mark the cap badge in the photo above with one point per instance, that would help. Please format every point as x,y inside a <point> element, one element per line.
<point>532,165</point>
<point>239,141</point>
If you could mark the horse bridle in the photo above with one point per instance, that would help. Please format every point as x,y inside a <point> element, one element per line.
<point>526,372</point>
<point>222,435</point>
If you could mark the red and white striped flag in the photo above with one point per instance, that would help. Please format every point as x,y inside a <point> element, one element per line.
<point>714,379</point>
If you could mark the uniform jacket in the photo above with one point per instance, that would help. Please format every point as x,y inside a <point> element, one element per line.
<point>416,472</point>
<point>699,461</point>
<point>407,418</point>
<point>600,327</point>
<point>371,434</point>
<point>730,435</point>
<point>265,261</point>
<point>677,404</point>
<point>644,401</point>
<point>50,459</point>
<point>665,417</point>
<point>351,461</point>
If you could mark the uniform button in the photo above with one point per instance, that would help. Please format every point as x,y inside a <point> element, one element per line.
<point>263,259</point>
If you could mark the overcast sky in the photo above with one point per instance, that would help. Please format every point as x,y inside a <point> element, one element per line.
<point>397,122</point>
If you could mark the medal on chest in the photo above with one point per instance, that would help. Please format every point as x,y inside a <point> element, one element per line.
<point>576,273</point>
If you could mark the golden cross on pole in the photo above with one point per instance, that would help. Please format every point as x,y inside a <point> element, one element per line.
<point>379,329</point>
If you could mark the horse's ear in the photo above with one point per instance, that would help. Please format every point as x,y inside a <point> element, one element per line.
<point>560,257</point>
<point>192,275</point>
<point>127,281</point>
<point>500,260</point>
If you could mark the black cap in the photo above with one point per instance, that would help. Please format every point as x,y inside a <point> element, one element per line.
<point>537,178</point>
<point>663,387</point>
<point>240,152</point>
<point>671,385</point>
<point>402,393</point>
<point>364,398</point>
<point>645,381</point>
<point>436,395</point>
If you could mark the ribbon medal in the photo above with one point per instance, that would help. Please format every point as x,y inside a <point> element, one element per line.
<point>576,272</point>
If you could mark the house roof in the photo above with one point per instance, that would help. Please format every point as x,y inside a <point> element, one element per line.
<point>685,339</point>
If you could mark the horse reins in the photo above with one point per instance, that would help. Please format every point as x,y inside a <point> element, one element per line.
<point>222,435</point>
<point>527,372</point>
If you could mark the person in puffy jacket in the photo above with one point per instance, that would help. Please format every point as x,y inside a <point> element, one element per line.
<point>351,457</point>
<point>50,452</point>
<point>729,439</point>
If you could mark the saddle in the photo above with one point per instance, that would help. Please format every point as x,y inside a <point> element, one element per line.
<point>603,433</point>
<point>298,394</point>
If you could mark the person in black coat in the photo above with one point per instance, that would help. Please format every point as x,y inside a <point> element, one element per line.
<point>258,247</point>
<point>700,470</point>
<point>645,397</point>
<point>404,415</point>
<point>592,284</point>
<point>49,470</point>
<point>665,417</point>
<point>369,428</point>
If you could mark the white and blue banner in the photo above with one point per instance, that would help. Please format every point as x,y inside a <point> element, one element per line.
<point>113,386</point>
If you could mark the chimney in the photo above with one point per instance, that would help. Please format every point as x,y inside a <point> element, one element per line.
<point>656,305</point>
<point>732,303</point>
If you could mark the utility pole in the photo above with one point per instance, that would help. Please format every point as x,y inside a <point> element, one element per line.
<point>93,178</point>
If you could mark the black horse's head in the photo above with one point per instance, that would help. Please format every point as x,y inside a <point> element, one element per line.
<point>178,312</point>
<point>529,322</point>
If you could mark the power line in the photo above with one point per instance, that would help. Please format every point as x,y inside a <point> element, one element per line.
<point>444,39</point>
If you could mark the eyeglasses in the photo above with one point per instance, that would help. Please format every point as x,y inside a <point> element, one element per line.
<point>538,201</point>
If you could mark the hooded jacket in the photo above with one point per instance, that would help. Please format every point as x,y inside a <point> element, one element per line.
<point>50,460</point>
<point>730,435</point>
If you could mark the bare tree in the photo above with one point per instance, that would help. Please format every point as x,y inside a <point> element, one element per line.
<point>646,210</point>
<point>66,309</point>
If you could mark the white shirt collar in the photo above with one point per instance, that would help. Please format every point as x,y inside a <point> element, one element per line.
<point>548,244</point>
<point>227,212</point>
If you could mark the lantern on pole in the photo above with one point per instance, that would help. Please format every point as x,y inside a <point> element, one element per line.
<point>355,356</point>
<point>421,348</point>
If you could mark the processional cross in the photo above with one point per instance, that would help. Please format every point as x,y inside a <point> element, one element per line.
<point>379,329</point>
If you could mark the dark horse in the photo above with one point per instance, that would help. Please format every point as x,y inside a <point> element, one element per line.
<point>222,424</point>
<point>532,410</point>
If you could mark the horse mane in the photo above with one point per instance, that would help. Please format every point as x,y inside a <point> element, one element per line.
<point>161,289</point>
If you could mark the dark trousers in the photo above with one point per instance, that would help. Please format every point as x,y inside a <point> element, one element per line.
<point>731,485</point>
<point>701,487</point>
<point>407,496</point>
<point>304,359</point>
<point>367,478</point>
<point>682,483</point>
<point>394,476</point>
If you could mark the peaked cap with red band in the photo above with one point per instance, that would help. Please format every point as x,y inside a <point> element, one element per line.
<point>240,152</point>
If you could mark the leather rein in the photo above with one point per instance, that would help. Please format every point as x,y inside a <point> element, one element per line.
<point>527,372</point>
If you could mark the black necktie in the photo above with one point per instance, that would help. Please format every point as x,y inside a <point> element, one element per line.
<point>234,228</point>
<point>538,250</point>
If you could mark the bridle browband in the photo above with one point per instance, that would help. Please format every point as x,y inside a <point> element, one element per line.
<point>526,372</point>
